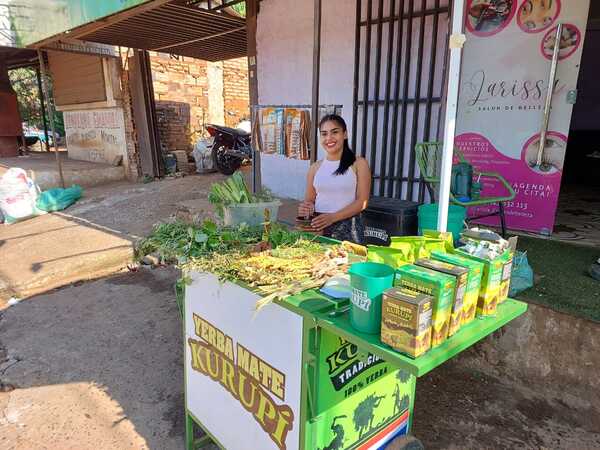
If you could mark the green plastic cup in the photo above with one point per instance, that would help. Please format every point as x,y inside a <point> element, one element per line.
<point>368,281</point>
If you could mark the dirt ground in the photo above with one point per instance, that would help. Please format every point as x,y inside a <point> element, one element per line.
<point>95,366</point>
<point>457,408</point>
<point>98,365</point>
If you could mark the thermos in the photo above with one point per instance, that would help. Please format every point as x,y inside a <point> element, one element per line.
<point>462,181</point>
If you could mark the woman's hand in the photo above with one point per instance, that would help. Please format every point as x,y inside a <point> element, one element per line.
<point>322,221</point>
<point>306,209</point>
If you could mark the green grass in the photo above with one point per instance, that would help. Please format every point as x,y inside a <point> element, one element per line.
<point>561,277</point>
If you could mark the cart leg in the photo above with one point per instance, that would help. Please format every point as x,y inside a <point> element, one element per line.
<point>189,432</point>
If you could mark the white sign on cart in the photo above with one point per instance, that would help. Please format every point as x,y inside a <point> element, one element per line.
<point>243,371</point>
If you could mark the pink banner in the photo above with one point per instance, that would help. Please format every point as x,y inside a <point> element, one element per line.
<point>504,86</point>
<point>536,190</point>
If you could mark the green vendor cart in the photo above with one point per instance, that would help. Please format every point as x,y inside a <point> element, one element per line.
<point>296,375</point>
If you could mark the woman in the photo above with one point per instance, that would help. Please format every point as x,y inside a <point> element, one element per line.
<point>338,187</point>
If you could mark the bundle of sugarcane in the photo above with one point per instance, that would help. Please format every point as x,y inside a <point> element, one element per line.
<point>334,261</point>
<point>276,273</point>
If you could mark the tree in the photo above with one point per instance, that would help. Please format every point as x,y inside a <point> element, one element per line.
<point>240,8</point>
<point>24,83</point>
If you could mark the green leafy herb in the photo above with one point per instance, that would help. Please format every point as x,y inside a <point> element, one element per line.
<point>234,191</point>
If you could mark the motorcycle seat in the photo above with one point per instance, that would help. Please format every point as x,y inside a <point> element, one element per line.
<point>228,130</point>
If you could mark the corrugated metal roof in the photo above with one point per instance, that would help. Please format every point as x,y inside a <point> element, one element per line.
<point>178,29</point>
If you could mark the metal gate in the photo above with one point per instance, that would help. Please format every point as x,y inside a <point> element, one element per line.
<point>399,74</point>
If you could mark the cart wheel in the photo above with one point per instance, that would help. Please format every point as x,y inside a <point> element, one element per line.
<point>405,443</point>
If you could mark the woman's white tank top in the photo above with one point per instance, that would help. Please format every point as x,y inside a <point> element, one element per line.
<point>334,192</point>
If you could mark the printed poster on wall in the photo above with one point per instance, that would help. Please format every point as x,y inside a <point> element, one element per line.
<point>242,370</point>
<point>504,84</point>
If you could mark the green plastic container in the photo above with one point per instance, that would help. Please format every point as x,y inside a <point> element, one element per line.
<point>428,215</point>
<point>368,281</point>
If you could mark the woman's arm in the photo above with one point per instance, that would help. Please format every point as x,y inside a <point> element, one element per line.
<point>363,192</point>
<point>307,207</point>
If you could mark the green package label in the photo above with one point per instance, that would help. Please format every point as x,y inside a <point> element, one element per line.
<point>359,397</point>
<point>492,270</point>
<point>343,370</point>
<point>440,286</point>
<point>475,267</point>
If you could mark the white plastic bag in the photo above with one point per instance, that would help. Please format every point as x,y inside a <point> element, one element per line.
<point>18,195</point>
<point>202,154</point>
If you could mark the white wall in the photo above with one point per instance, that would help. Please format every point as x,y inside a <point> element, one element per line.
<point>285,48</point>
<point>284,58</point>
<point>96,135</point>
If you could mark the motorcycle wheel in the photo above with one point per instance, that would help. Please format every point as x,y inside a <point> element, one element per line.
<point>226,164</point>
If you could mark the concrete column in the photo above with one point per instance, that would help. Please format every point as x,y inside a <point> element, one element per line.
<point>216,102</point>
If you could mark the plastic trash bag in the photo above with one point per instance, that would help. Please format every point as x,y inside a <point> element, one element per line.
<point>338,287</point>
<point>522,274</point>
<point>18,196</point>
<point>58,199</point>
<point>202,154</point>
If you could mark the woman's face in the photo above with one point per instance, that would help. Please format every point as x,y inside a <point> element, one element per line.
<point>332,138</point>
<point>536,14</point>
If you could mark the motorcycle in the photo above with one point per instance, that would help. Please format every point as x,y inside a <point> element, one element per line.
<point>231,147</point>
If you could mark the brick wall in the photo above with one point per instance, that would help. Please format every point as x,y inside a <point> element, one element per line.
<point>235,90</point>
<point>182,98</point>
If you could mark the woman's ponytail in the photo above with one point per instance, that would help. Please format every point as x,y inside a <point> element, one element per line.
<point>348,158</point>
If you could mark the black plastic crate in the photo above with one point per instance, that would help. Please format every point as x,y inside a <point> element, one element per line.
<point>387,217</point>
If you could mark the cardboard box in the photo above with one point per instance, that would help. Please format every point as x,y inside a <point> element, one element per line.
<point>461,275</point>
<point>406,321</point>
<point>489,292</point>
<point>473,281</point>
<point>440,287</point>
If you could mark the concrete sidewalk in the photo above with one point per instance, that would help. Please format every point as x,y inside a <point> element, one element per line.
<point>94,237</point>
<point>41,167</point>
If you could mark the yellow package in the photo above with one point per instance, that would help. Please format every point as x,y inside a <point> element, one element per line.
<point>507,258</point>
<point>440,287</point>
<point>394,257</point>
<point>445,236</point>
<point>473,283</point>
<point>490,283</point>
<point>461,275</point>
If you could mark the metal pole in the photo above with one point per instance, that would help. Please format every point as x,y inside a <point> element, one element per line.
<point>43,107</point>
<point>405,101</point>
<point>51,116</point>
<point>394,138</point>
<point>457,39</point>
<point>374,123</point>
<point>356,72</point>
<point>251,17</point>
<point>366,86</point>
<point>315,80</point>
<point>548,104</point>
<point>383,168</point>
<point>415,118</point>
